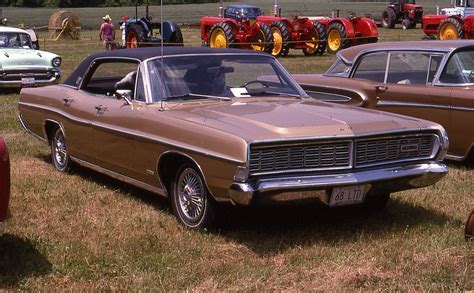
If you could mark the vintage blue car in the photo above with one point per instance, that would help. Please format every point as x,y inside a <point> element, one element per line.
<point>23,66</point>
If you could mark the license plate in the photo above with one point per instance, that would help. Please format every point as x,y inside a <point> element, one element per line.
<point>347,195</point>
<point>28,81</point>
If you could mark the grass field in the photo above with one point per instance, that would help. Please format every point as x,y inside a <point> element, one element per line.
<point>84,231</point>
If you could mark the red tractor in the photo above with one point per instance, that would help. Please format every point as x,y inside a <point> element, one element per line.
<point>294,33</point>
<point>236,29</point>
<point>451,23</point>
<point>405,12</point>
<point>346,32</point>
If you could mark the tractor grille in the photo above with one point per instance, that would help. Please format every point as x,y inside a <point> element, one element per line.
<point>298,157</point>
<point>392,149</point>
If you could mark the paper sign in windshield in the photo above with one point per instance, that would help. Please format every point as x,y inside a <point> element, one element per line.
<point>240,92</point>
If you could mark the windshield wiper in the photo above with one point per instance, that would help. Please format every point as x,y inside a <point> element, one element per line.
<point>192,95</point>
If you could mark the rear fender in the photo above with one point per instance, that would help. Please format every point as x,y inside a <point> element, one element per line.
<point>366,27</point>
<point>169,28</point>
<point>431,23</point>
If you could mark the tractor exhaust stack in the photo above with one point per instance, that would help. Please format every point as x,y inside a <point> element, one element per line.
<point>221,9</point>
<point>276,9</point>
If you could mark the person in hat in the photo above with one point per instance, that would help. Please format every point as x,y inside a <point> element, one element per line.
<point>123,27</point>
<point>107,33</point>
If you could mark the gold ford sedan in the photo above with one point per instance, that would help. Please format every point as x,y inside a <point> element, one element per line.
<point>200,126</point>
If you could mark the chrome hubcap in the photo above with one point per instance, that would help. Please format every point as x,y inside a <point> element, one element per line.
<point>60,151</point>
<point>191,195</point>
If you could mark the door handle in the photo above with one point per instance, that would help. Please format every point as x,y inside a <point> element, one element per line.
<point>381,88</point>
<point>67,101</point>
<point>100,109</point>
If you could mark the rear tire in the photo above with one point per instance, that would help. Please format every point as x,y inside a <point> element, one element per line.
<point>177,37</point>
<point>135,36</point>
<point>59,152</point>
<point>191,202</point>
<point>221,36</point>
<point>337,38</point>
<point>389,18</point>
<point>451,29</point>
<point>322,42</point>
<point>263,41</point>
<point>281,39</point>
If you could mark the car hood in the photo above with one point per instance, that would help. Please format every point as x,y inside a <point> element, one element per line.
<point>17,58</point>
<point>263,119</point>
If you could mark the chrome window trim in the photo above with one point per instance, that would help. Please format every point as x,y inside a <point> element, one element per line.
<point>389,103</point>
<point>135,133</point>
<point>346,98</point>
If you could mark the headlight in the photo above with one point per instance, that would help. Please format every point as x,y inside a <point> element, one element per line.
<point>56,62</point>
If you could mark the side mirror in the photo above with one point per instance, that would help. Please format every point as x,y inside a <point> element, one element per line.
<point>124,95</point>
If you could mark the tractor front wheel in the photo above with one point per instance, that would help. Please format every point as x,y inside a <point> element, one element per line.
<point>263,40</point>
<point>406,24</point>
<point>281,38</point>
<point>134,36</point>
<point>221,36</point>
<point>337,37</point>
<point>318,43</point>
<point>389,18</point>
<point>451,29</point>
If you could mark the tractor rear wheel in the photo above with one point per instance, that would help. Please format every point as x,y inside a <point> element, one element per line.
<point>177,38</point>
<point>337,37</point>
<point>263,40</point>
<point>281,38</point>
<point>389,18</point>
<point>319,42</point>
<point>221,36</point>
<point>451,29</point>
<point>135,35</point>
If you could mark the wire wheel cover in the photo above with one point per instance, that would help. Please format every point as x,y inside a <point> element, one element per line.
<point>60,151</point>
<point>191,195</point>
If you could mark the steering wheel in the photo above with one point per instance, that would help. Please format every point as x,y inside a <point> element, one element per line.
<point>245,84</point>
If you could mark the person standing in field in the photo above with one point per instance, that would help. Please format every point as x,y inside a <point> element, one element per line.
<point>107,33</point>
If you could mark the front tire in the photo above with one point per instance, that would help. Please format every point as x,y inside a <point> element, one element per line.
<point>337,38</point>
<point>191,202</point>
<point>221,36</point>
<point>281,39</point>
<point>321,44</point>
<point>451,29</point>
<point>135,36</point>
<point>59,153</point>
<point>389,18</point>
<point>263,40</point>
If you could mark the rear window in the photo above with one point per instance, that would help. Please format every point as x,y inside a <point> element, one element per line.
<point>339,68</point>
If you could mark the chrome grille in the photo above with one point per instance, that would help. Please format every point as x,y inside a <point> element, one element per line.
<point>391,149</point>
<point>296,157</point>
<point>18,75</point>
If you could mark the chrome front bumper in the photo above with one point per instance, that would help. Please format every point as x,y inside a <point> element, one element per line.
<point>38,82</point>
<point>389,179</point>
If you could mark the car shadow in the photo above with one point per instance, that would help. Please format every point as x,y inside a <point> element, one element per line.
<point>20,259</point>
<point>272,230</point>
<point>9,91</point>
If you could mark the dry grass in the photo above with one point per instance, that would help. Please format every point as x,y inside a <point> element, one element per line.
<point>84,231</point>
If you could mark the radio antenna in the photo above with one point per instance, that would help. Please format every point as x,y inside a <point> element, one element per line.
<point>162,68</point>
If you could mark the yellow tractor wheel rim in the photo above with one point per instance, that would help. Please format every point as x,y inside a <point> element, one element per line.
<point>259,43</point>
<point>218,39</point>
<point>448,32</point>
<point>313,43</point>
<point>277,41</point>
<point>334,40</point>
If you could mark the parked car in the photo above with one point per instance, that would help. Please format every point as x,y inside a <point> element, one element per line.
<point>432,80</point>
<point>4,183</point>
<point>23,66</point>
<point>200,126</point>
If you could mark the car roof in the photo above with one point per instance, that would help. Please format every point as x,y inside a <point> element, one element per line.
<point>242,6</point>
<point>143,54</point>
<point>9,29</point>
<point>350,55</point>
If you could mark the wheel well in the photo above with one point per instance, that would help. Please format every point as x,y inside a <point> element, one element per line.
<point>168,166</point>
<point>49,128</point>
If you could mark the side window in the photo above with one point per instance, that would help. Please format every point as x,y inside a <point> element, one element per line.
<point>140,91</point>
<point>109,76</point>
<point>434,66</point>
<point>459,69</point>
<point>408,68</point>
<point>372,67</point>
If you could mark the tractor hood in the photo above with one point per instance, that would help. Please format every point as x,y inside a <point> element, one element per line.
<point>412,7</point>
<point>25,58</point>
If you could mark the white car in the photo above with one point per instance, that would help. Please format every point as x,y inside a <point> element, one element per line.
<point>23,66</point>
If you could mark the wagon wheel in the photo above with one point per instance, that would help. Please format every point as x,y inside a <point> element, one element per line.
<point>319,42</point>
<point>337,37</point>
<point>389,18</point>
<point>191,202</point>
<point>281,38</point>
<point>450,29</point>
<point>263,39</point>
<point>221,36</point>
<point>135,36</point>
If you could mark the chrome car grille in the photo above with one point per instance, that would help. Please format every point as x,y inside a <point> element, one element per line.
<point>276,158</point>
<point>296,157</point>
<point>17,75</point>
<point>386,150</point>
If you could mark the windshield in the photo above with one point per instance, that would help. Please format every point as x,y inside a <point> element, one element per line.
<point>339,68</point>
<point>225,76</point>
<point>14,40</point>
<point>460,69</point>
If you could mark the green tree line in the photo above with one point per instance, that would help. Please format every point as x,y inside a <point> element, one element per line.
<point>92,3</point>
